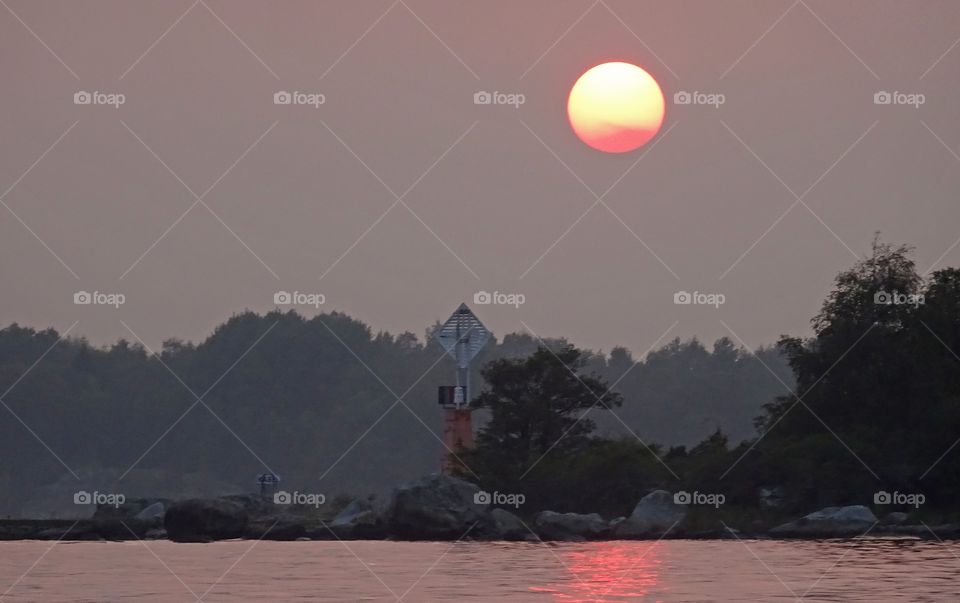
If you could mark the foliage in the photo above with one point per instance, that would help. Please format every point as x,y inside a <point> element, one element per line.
<point>876,407</point>
<point>877,400</point>
<point>291,395</point>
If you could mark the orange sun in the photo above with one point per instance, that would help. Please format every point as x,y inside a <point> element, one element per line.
<point>615,107</point>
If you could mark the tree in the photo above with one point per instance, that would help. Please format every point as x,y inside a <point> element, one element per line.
<point>877,392</point>
<point>538,406</point>
<point>864,323</point>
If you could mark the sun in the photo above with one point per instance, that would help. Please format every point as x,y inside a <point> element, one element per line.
<point>616,107</point>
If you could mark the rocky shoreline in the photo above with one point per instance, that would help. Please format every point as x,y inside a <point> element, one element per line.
<point>443,508</point>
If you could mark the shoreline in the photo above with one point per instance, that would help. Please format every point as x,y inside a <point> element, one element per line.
<point>447,509</point>
<point>94,530</point>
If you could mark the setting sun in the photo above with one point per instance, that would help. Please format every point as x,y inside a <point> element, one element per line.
<point>616,107</point>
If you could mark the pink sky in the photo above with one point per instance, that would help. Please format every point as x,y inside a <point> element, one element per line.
<point>497,193</point>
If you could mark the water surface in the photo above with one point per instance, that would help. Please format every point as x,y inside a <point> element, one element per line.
<point>748,570</point>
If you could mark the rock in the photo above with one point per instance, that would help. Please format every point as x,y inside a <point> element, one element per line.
<point>84,530</point>
<point>570,526</point>
<point>942,531</point>
<point>275,528</point>
<point>363,518</point>
<point>358,510</point>
<point>205,520</point>
<point>507,526</point>
<point>22,529</point>
<point>156,534</point>
<point>115,529</point>
<point>152,511</point>
<point>950,531</point>
<point>131,509</point>
<point>895,518</point>
<point>652,517</point>
<point>831,522</point>
<point>853,514</point>
<point>435,507</point>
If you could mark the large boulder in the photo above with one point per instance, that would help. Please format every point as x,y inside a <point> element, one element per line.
<point>504,525</point>
<point>205,520</point>
<point>132,509</point>
<point>831,522</point>
<point>282,527</point>
<point>895,518</point>
<point>363,518</point>
<point>435,507</point>
<point>652,517</point>
<point>551,525</point>
<point>152,511</point>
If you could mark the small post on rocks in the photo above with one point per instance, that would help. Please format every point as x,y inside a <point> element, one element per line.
<point>462,336</point>
<point>268,483</point>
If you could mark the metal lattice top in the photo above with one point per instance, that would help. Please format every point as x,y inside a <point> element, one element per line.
<point>463,335</point>
<point>268,478</point>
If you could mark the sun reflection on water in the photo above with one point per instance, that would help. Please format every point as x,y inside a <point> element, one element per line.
<point>606,571</point>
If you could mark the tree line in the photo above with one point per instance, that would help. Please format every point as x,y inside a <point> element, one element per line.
<point>314,400</point>
<point>873,408</point>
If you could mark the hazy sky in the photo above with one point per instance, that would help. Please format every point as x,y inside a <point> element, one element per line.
<point>492,197</point>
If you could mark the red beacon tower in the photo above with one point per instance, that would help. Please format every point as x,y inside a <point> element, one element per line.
<point>462,336</point>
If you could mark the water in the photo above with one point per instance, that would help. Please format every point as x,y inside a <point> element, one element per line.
<point>862,570</point>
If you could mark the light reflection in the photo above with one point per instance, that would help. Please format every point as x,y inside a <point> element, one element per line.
<point>605,571</point>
